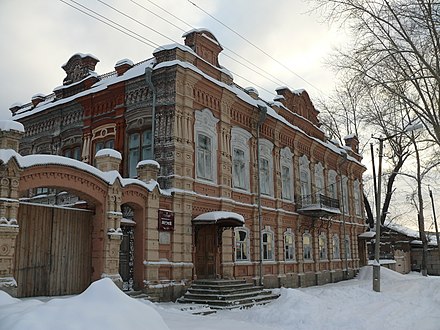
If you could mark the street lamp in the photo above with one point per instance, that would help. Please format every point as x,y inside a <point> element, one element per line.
<point>376,264</point>
<point>262,113</point>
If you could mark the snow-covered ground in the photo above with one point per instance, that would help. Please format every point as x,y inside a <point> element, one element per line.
<point>405,302</point>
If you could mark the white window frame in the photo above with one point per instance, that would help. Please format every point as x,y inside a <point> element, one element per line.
<point>345,193</point>
<point>332,187</point>
<point>286,157</point>
<point>336,247</point>
<point>289,248</point>
<point>307,252</point>
<point>322,247</point>
<point>243,244</point>
<point>347,245</point>
<point>319,180</point>
<point>266,156</point>
<point>240,141</point>
<point>268,246</point>
<point>206,124</point>
<point>357,197</point>
<point>304,174</point>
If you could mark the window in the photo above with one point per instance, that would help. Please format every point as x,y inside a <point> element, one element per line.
<point>289,246</point>
<point>268,245</point>
<point>307,246</point>
<point>322,242</point>
<point>205,134</point>
<point>139,148</point>
<point>304,172</point>
<point>204,157</point>
<point>239,169</point>
<point>104,144</point>
<point>240,157</point>
<point>357,197</point>
<point>266,167</point>
<point>286,173</point>
<point>241,245</point>
<point>347,247</point>
<point>319,180</point>
<point>73,152</point>
<point>336,248</point>
<point>264,176</point>
<point>332,188</point>
<point>345,193</point>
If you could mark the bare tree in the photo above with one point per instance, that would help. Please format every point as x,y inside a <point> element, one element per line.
<point>396,48</point>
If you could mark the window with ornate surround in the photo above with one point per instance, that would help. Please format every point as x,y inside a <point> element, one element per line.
<point>242,251</point>
<point>319,179</point>
<point>336,247</point>
<point>240,158</point>
<point>332,188</point>
<point>286,173</point>
<point>268,244</point>
<point>266,167</point>
<point>289,246</point>
<point>139,148</point>
<point>322,247</point>
<point>306,185</point>
<point>205,134</point>
<point>307,247</point>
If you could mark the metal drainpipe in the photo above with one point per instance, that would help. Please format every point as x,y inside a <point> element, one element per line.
<point>345,273</point>
<point>148,76</point>
<point>261,117</point>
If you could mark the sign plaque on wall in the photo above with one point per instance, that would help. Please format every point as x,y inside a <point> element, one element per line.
<point>166,220</point>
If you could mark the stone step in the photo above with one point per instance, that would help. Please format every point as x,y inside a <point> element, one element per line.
<point>141,295</point>
<point>228,296</point>
<point>232,303</point>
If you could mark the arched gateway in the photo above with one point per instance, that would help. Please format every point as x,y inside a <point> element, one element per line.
<point>53,250</point>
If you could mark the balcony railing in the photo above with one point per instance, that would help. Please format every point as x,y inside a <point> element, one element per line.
<point>317,205</point>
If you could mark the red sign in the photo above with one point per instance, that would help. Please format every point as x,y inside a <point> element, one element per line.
<point>166,220</point>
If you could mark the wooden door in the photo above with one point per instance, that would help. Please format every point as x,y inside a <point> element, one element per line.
<point>53,250</point>
<point>206,251</point>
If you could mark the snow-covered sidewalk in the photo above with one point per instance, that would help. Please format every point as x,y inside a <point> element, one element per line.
<point>405,302</point>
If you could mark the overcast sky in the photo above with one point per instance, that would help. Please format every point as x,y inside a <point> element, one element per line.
<point>39,36</point>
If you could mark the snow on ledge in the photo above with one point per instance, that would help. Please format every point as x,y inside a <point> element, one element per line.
<point>40,160</point>
<point>148,162</point>
<point>109,152</point>
<point>215,216</point>
<point>11,125</point>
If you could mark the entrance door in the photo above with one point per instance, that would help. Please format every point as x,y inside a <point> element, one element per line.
<point>126,257</point>
<point>206,251</point>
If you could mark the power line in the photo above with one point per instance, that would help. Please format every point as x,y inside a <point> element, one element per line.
<point>121,28</point>
<point>254,45</point>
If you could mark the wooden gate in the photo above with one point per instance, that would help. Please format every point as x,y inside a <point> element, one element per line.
<point>53,254</point>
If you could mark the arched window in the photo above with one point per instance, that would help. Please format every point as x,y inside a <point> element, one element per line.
<point>286,173</point>
<point>345,193</point>
<point>307,247</point>
<point>242,244</point>
<point>268,245</point>
<point>322,244</point>
<point>306,185</point>
<point>357,197</point>
<point>205,134</point>
<point>336,247</point>
<point>332,188</point>
<point>319,180</point>
<point>240,158</point>
<point>347,246</point>
<point>266,167</point>
<point>289,246</point>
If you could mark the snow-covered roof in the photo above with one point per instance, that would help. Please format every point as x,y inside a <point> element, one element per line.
<point>219,217</point>
<point>11,125</point>
<point>81,55</point>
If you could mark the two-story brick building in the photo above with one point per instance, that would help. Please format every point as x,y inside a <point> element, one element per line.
<point>294,216</point>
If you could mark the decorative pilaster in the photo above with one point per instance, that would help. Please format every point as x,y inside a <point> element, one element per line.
<point>10,135</point>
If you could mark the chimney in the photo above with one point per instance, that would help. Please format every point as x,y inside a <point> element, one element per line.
<point>37,98</point>
<point>122,66</point>
<point>108,160</point>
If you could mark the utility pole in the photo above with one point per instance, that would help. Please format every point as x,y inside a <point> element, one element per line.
<point>435,220</point>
